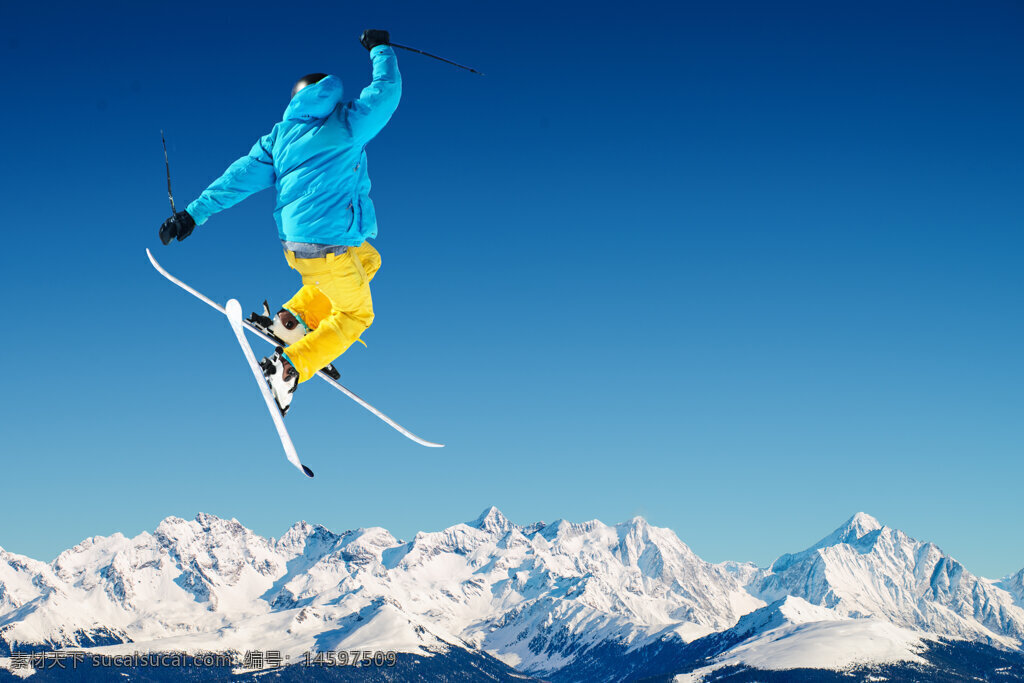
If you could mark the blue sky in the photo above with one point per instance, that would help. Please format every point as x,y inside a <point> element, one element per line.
<point>742,268</point>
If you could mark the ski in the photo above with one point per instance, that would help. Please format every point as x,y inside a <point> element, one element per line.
<point>233,310</point>
<point>267,338</point>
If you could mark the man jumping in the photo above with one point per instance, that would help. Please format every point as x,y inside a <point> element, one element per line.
<point>316,159</point>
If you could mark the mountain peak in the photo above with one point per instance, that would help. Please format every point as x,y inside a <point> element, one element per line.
<point>493,521</point>
<point>863,523</point>
<point>301,527</point>
<point>303,536</point>
<point>853,530</point>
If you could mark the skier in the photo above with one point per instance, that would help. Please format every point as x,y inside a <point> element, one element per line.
<point>316,159</point>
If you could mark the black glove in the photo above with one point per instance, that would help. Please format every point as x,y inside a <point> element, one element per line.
<point>179,225</point>
<point>372,37</point>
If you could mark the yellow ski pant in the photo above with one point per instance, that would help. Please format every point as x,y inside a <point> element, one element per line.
<point>334,304</point>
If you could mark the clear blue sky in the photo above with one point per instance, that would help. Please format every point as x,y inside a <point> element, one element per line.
<point>743,268</point>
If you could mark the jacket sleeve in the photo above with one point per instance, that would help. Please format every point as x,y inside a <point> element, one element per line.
<point>248,175</point>
<point>378,101</point>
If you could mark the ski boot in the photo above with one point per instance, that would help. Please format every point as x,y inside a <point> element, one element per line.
<point>286,329</point>
<point>282,378</point>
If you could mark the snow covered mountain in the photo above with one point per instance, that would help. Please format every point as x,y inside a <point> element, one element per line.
<point>562,601</point>
<point>866,569</point>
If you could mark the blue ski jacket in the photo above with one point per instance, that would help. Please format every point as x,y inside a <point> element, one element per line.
<point>316,158</point>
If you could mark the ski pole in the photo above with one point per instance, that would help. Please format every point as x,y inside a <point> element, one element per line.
<point>168,164</point>
<point>427,54</point>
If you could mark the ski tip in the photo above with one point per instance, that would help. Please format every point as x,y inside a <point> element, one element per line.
<point>233,309</point>
<point>309,472</point>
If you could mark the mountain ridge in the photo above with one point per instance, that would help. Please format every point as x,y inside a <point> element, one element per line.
<point>542,598</point>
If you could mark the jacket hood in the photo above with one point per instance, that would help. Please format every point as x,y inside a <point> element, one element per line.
<point>315,101</point>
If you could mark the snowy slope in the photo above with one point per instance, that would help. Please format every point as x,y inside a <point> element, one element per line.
<point>22,579</point>
<point>792,633</point>
<point>1014,585</point>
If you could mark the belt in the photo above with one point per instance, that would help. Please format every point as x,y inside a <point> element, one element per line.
<point>305,250</point>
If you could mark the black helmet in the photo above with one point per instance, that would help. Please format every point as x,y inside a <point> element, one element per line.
<point>308,79</point>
